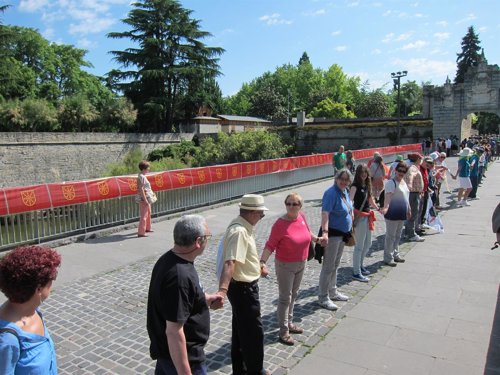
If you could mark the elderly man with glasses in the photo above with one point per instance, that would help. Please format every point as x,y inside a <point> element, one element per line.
<point>239,281</point>
<point>178,319</point>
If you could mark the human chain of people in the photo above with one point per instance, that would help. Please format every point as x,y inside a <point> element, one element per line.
<point>178,308</point>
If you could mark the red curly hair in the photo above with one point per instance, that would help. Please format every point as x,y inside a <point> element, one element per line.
<point>25,269</point>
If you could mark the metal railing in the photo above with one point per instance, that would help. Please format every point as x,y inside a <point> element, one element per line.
<point>54,223</point>
<point>59,222</point>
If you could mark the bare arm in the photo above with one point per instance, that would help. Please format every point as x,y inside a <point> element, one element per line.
<point>266,253</point>
<point>352,193</point>
<point>324,225</point>
<point>177,347</point>
<point>225,278</point>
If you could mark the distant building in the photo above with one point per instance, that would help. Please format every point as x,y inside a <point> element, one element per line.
<point>224,123</point>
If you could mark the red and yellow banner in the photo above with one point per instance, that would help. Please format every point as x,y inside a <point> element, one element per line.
<point>31,198</point>
<point>159,181</point>
<point>106,188</point>
<point>181,178</point>
<point>63,194</point>
<point>3,203</point>
<point>201,176</point>
<point>27,198</point>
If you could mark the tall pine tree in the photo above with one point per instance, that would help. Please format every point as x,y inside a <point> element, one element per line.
<point>469,56</point>
<point>167,58</point>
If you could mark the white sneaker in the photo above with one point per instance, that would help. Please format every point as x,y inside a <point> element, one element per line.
<point>328,304</point>
<point>466,203</point>
<point>416,238</point>
<point>460,203</point>
<point>340,297</point>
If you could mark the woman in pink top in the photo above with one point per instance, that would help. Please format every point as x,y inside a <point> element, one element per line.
<point>290,237</point>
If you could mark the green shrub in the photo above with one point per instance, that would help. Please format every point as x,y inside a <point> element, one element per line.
<point>129,165</point>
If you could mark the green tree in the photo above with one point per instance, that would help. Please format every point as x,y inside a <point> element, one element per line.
<point>76,113</point>
<point>28,115</point>
<point>470,54</point>
<point>304,59</point>
<point>117,115</point>
<point>373,104</point>
<point>240,147</point>
<point>266,100</point>
<point>328,109</point>
<point>487,123</point>
<point>410,99</point>
<point>167,57</point>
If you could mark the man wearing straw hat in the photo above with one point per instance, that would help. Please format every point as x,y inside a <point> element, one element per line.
<point>239,281</point>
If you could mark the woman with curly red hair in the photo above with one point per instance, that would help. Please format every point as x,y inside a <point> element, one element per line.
<point>26,276</point>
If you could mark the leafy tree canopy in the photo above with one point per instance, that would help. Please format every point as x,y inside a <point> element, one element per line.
<point>168,63</point>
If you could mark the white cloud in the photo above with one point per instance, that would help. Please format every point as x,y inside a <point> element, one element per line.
<point>419,15</point>
<point>376,51</point>
<point>391,37</point>
<point>319,12</point>
<point>48,33</point>
<point>32,5</point>
<point>377,4</point>
<point>414,4</point>
<point>353,4</point>
<point>387,13</point>
<point>86,44</point>
<point>416,45</point>
<point>423,67</point>
<point>89,16</point>
<point>442,23</point>
<point>470,17</point>
<point>441,36</point>
<point>91,26</point>
<point>274,19</point>
<point>482,29</point>
<point>340,48</point>
<point>336,33</point>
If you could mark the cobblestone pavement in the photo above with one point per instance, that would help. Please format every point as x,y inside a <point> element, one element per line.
<point>99,323</point>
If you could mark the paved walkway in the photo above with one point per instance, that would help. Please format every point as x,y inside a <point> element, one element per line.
<point>430,315</point>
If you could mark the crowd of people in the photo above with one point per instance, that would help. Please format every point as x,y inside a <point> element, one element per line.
<point>178,318</point>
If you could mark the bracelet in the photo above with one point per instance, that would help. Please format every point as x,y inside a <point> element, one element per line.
<point>223,289</point>
<point>325,231</point>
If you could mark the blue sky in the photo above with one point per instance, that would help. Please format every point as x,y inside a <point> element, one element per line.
<point>367,38</point>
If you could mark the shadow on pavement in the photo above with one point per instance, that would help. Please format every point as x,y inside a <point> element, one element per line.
<point>492,366</point>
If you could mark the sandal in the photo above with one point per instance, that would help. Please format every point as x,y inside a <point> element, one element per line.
<point>292,328</point>
<point>287,340</point>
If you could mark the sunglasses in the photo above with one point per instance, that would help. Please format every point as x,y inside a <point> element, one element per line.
<point>292,204</point>
<point>400,171</point>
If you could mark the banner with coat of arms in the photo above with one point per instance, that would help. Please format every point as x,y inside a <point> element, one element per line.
<point>31,198</point>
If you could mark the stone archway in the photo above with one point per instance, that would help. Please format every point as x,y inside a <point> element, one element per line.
<point>450,105</point>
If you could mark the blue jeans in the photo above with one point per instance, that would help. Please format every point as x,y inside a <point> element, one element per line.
<point>166,367</point>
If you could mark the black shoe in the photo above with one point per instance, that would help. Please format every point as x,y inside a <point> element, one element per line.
<point>391,264</point>
<point>399,260</point>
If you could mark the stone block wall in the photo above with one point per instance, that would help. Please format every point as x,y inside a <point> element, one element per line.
<point>35,158</point>
<point>327,138</point>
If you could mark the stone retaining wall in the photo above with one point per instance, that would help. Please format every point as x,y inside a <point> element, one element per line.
<point>35,158</point>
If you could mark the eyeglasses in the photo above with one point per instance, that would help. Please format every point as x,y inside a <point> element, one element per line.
<point>292,204</point>
<point>206,237</point>
<point>260,213</point>
<point>400,171</point>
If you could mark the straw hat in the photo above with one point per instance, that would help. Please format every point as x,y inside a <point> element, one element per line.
<point>253,202</point>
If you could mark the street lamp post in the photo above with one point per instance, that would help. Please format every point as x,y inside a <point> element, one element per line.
<point>396,78</point>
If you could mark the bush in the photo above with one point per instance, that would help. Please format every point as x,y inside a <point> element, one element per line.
<point>240,147</point>
<point>130,164</point>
